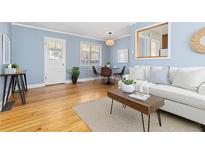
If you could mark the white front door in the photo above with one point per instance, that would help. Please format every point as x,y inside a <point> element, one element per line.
<point>54,60</point>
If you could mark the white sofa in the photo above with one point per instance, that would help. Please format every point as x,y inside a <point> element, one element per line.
<point>185,103</point>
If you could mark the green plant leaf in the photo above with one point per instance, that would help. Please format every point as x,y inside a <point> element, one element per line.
<point>75,71</point>
<point>128,82</point>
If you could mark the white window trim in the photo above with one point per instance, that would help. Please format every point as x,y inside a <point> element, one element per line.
<point>91,43</point>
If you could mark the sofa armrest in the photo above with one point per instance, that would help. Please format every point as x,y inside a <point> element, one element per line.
<point>126,77</point>
<point>202,89</point>
<point>119,84</point>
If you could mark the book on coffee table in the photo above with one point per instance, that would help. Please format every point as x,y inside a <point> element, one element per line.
<point>139,96</point>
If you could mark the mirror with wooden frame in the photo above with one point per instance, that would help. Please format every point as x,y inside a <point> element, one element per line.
<point>152,42</point>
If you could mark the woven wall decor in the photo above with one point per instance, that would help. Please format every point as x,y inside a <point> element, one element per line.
<point>196,42</point>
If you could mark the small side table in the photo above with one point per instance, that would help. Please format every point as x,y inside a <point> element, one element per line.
<point>18,79</point>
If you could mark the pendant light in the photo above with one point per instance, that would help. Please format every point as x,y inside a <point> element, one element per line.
<point>109,41</point>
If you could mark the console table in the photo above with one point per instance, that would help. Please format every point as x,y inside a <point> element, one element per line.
<point>18,79</point>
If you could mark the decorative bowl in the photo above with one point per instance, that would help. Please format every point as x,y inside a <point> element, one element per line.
<point>128,88</point>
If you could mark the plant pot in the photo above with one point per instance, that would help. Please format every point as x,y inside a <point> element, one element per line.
<point>10,70</point>
<point>128,88</point>
<point>74,79</point>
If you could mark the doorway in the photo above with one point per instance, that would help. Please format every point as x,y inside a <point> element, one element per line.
<point>54,60</point>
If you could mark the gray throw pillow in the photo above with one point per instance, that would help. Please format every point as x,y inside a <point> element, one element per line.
<point>159,74</point>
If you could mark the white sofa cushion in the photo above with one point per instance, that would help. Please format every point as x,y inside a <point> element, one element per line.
<point>173,71</point>
<point>180,95</point>
<point>202,89</point>
<point>143,86</point>
<point>159,74</point>
<point>146,71</point>
<point>137,73</point>
<point>190,80</point>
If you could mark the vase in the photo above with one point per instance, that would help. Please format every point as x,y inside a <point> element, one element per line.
<point>74,79</point>
<point>10,71</point>
<point>128,88</point>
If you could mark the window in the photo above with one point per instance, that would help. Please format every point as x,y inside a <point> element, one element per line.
<point>90,54</point>
<point>155,47</point>
<point>55,54</point>
<point>55,50</point>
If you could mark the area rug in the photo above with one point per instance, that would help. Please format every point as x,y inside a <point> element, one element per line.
<point>96,115</point>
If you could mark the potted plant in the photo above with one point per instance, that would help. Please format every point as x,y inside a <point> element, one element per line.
<point>75,72</point>
<point>12,68</point>
<point>128,86</point>
<point>108,64</point>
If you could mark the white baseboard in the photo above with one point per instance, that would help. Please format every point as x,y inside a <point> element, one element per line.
<point>68,81</point>
<point>81,80</point>
<point>38,85</point>
<point>85,79</point>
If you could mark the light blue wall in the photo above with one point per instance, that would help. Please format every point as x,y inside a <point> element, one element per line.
<point>123,43</point>
<point>181,53</point>
<point>28,49</point>
<point>5,28</point>
<point>28,52</point>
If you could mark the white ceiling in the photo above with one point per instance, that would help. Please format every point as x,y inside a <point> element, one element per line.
<point>98,30</point>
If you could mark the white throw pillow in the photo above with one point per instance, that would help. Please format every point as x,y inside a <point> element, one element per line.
<point>190,80</point>
<point>143,86</point>
<point>159,74</point>
<point>137,73</point>
<point>173,71</point>
<point>146,71</point>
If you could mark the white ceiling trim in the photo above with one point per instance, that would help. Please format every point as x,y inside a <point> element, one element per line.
<point>121,37</point>
<point>132,23</point>
<point>56,31</point>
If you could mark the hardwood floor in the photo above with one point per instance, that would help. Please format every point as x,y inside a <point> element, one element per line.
<point>50,108</point>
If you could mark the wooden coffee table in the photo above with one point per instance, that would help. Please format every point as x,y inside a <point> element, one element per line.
<point>151,105</point>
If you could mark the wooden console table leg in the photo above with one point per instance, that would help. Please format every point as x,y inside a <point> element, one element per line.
<point>23,88</point>
<point>20,90</point>
<point>159,118</point>
<point>25,80</point>
<point>111,107</point>
<point>9,89</point>
<point>4,92</point>
<point>14,85</point>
